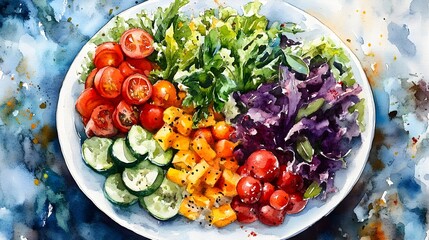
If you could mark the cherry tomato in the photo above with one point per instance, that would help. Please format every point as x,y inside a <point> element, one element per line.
<point>243,170</point>
<point>136,89</point>
<point>164,94</point>
<point>270,216</point>
<point>127,69</point>
<point>267,191</point>
<point>142,65</point>
<point>279,199</point>
<point>108,82</point>
<point>222,130</point>
<point>205,133</point>
<point>264,165</point>
<point>288,181</point>
<point>249,189</point>
<point>89,82</point>
<point>101,122</point>
<point>246,213</point>
<point>108,54</point>
<point>136,43</point>
<point>87,101</point>
<point>296,204</point>
<point>224,148</point>
<point>151,117</point>
<point>125,116</point>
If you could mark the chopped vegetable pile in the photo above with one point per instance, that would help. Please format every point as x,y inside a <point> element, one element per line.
<point>219,118</point>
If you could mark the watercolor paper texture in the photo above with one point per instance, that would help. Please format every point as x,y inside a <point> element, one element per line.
<point>39,40</point>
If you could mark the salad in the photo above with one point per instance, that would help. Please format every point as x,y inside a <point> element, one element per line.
<point>220,117</point>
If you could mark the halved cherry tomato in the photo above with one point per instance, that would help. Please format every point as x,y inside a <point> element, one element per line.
<point>222,130</point>
<point>136,43</point>
<point>246,213</point>
<point>288,181</point>
<point>264,165</point>
<point>108,54</point>
<point>101,122</point>
<point>151,117</point>
<point>243,170</point>
<point>249,189</point>
<point>125,116</point>
<point>127,70</point>
<point>267,191</point>
<point>108,82</point>
<point>89,82</point>
<point>205,133</point>
<point>279,199</point>
<point>164,94</point>
<point>136,89</point>
<point>87,101</point>
<point>270,216</point>
<point>143,65</point>
<point>296,204</point>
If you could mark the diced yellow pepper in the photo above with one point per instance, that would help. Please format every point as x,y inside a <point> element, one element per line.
<point>200,200</point>
<point>165,136</point>
<point>229,182</point>
<point>222,216</point>
<point>197,172</point>
<point>172,114</point>
<point>184,125</point>
<point>214,194</point>
<point>229,163</point>
<point>189,209</point>
<point>185,160</point>
<point>177,176</point>
<point>181,142</point>
<point>212,175</point>
<point>203,148</point>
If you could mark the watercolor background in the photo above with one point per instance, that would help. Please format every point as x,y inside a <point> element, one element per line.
<point>39,39</point>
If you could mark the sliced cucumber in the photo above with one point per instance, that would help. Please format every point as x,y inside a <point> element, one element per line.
<point>121,154</point>
<point>165,202</point>
<point>143,179</point>
<point>140,141</point>
<point>95,154</point>
<point>160,157</point>
<point>116,192</point>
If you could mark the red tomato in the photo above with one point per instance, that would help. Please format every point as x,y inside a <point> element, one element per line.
<point>263,165</point>
<point>296,204</point>
<point>270,216</point>
<point>267,191</point>
<point>89,82</point>
<point>288,181</point>
<point>249,189</point>
<point>279,199</point>
<point>136,43</point>
<point>142,65</point>
<point>243,170</point>
<point>246,213</point>
<point>222,130</point>
<point>125,116</point>
<point>108,82</point>
<point>151,117</point>
<point>205,133</point>
<point>136,89</point>
<point>127,69</point>
<point>108,54</point>
<point>101,122</point>
<point>164,94</point>
<point>87,101</point>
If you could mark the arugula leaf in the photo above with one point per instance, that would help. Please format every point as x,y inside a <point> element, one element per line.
<point>304,149</point>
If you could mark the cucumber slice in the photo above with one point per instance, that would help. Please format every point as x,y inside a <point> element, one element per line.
<point>121,154</point>
<point>140,141</point>
<point>95,154</point>
<point>143,179</point>
<point>160,157</point>
<point>165,202</point>
<point>116,192</point>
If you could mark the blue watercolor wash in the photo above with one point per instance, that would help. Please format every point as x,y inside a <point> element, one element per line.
<point>409,188</point>
<point>398,35</point>
<point>13,9</point>
<point>381,100</point>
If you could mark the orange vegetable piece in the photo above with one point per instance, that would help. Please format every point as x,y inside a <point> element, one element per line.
<point>222,216</point>
<point>225,148</point>
<point>222,130</point>
<point>203,149</point>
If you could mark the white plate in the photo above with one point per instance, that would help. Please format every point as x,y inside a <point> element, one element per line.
<point>137,220</point>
